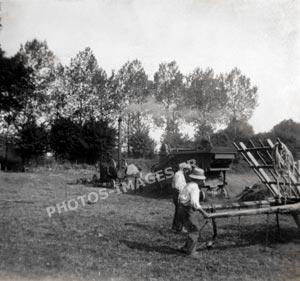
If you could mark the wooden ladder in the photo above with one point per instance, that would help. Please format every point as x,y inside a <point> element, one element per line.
<point>259,158</point>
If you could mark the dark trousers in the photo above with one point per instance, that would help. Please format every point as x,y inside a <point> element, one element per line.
<point>177,223</point>
<point>193,221</point>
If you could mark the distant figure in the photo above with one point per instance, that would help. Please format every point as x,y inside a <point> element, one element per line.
<point>178,183</point>
<point>132,170</point>
<point>112,170</point>
<point>190,210</point>
<point>164,149</point>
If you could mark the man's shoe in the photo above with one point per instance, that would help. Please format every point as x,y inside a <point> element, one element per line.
<point>183,249</point>
<point>209,244</point>
<point>184,230</point>
<point>195,255</point>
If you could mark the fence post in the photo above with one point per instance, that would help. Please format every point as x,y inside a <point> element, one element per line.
<point>298,167</point>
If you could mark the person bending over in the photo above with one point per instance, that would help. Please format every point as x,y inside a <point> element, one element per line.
<point>190,210</point>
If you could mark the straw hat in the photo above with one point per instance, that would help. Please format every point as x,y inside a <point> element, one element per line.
<point>197,174</point>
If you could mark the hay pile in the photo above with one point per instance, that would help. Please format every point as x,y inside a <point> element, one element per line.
<point>257,191</point>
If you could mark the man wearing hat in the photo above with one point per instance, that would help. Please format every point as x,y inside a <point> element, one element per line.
<point>190,210</point>
<point>178,184</point>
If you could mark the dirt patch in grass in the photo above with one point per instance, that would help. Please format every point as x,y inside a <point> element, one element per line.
<point>128,237</point>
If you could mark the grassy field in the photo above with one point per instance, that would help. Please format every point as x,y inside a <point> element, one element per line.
<point>128,237</point>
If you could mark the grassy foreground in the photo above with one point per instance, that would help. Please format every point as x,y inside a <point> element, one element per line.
<point>128,237</point>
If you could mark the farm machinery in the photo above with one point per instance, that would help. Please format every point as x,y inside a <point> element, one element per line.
<point>215,161</point>
<point>275,167</point>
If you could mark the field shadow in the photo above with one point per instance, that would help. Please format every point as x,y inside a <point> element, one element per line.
<point>258,234</point>
<point>150,248</point>
<point>138,225</point>
<point>150,193</point>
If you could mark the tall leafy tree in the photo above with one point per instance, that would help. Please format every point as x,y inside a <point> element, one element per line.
<point>204,101</point>
<point>241,96</point>
<point>79,79</point>
<point>86,86</point>
<point>16,85</point>
<point>104,105</point>
<point>167,88</point>
<point>37,55</point>
<point>58,95</point>
<point>16,90</point>
<point>132,89</point>
<point>132,82</point>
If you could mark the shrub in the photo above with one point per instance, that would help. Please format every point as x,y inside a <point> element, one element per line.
<point>142,145</point>
<point>32,141</point>
<point>81,143</point>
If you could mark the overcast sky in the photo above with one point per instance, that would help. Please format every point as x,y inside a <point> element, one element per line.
<point>259,37</point>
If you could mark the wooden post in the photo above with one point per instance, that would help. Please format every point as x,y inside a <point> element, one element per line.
<point>128,135</point>
<point>298,168</point>
<point>119,144</point>
<point>296,218</point>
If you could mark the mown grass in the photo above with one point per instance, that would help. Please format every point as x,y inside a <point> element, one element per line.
<point>128,237</point>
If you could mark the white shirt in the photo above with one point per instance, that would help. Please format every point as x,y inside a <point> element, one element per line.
<point>179,181</point>
<point>189,196</point>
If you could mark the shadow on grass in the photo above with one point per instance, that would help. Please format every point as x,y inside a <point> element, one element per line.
<point>259,234</point>
<point>151,193</point>
<point>249,235</point>
<point>138,225</point>
<point>150,248</point>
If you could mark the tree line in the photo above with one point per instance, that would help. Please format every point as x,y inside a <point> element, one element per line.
<point>73,109</point>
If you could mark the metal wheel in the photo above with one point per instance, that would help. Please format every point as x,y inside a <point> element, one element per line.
<point>223,192</point>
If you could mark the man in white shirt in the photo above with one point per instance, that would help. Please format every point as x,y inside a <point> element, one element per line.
<point>190,210</point>
<point>178,183</point>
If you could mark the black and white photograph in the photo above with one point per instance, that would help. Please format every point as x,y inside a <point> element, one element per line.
<point>149,140</point>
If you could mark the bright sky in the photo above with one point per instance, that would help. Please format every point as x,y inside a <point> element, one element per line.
<point>260,37</point>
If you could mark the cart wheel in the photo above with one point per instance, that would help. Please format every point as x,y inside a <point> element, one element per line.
<point>153,168</point>
<point>223,193</point>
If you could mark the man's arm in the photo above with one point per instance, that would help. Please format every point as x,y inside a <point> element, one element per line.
<point>204,213</point>
<point>195,195</point>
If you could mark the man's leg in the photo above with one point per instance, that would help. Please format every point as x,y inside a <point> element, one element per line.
<point>175,224</point>
<point>194,226</point>
<point>183,218</point>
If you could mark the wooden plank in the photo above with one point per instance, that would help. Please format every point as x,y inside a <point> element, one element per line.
<point>273,188</point>
<point>262,166</point>
<point>237,205</point>
<point>219,169</point>
<point>224,156</point>
<point>290,208</point>
<point>254,169</point>
<point>250,149</point>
